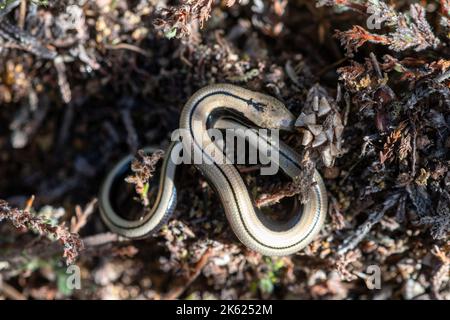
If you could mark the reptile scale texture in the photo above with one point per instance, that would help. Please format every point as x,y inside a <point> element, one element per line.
<point>228,105</point>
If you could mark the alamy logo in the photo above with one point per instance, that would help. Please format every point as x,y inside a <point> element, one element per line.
<point>375,18</point>
<point>73,281</point>
<point>373,280</point>
<point>229,146</point>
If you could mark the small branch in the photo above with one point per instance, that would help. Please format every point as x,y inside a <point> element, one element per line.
<point>143,167</point>
<point>25,41</point>
<point>360,233</point>
<point>443,77</point>
<point>376,65</point>
<point>64,86</point>
<point>23,219</point>
<point>10,292</point>
<point>129,47</point>
<point>414,150</point>
<point>22,13</point>
<point>439,273</point>
<point>102,239</point>
<point>178,291</point>
<point>132,138</point>
<point>81,216</point>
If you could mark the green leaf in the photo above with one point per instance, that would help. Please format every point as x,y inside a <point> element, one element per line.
<point>266,285</point>
<point>171,34</point>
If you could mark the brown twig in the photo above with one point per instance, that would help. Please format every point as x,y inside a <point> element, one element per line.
<point>22,13</point>
<point>25,41</point>
<point>102,239</point>
<point>10,292</point>
<point>81,216</point>
<point>132,137</point>
<point>439,273</point>
<point>129,47</point>
<point>414,149</point>
<point>23,219</point>
<point>176,292</point>
<point>360,233</point>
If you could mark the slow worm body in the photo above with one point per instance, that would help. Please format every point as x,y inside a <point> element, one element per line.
<point>229,107</point>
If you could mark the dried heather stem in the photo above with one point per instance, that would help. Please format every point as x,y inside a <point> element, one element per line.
<point>23,219</point>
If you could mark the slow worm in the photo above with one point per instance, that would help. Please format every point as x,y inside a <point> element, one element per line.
<point>226,106</point>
